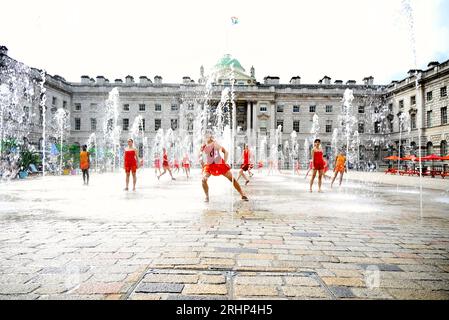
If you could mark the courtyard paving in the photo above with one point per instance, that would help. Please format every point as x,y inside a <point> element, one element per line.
<point>364,240</point>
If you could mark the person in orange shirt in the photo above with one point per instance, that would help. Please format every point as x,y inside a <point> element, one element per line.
<point>339,167</point>
<point>85,164</point>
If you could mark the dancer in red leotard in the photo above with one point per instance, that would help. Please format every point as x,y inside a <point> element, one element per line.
<point>245,165</point>
<point>297,167</point>
<point>165,165</point>
<point>318,163</point>
<point>216,165</point>
<point>131,163</point>
<point>186,164</point>
<point>176,165</point>
<point>310,168</point>
<point>157,164</point>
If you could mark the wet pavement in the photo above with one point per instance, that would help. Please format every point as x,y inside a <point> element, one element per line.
<point>364,240</point>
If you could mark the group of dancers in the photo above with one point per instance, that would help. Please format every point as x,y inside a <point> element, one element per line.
<point>213,163</point>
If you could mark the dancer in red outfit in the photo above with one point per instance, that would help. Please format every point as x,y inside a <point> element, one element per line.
<point>165,165</point>
<point>216,165</point>
<point>131,163</point>
<point>245,165</point>
<point>318,163</point>
<point>176,165</point>
<point>186,164</point>
<point>157,164</point>
<point>310,168</point>
<point>297,167</point>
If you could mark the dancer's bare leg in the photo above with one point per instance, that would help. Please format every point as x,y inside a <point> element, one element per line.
<point>244,177</point>
<point>236,184</point>
<point>333,179</point>
<point>171,175</point>
<point>312,179</point>
<point>127,181</point>
<point>159,176</point>
<point>134,181</point>
<point>205,186</point>
<point>307,173</point>
<point>320,177</point>
<point>341,177</point>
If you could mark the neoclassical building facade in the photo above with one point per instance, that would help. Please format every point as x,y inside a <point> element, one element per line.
<point>388,118</point>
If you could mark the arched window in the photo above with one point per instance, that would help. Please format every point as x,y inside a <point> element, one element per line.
<point>413,148</point>
<point>429,148</point>
<point>443,148</point>
<point>362,152</point>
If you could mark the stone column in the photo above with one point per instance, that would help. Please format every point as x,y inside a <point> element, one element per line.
<point>234,117</point>
<point>420,117</point>
<point>248,116</point>
<point>255,109</point>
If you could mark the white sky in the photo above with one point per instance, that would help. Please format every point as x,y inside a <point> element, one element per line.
<point>344,39</point>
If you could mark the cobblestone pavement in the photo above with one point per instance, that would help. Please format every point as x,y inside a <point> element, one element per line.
<point>62,240</point>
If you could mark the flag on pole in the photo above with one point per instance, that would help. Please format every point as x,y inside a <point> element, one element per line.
<point>234,20</point>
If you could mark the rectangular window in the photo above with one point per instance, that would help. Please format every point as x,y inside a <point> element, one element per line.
<point>328,109</point>
<point>377,127</point>
<point>125,126</point>
<point>64,104</point>
<point>444,115</point>
<point>93,124</point>
<point>142,125</point>
<point>296,108</point>
<point>26,114</point>
<point>390,107</point>
<point>263,108</point>
<point>312,108</point>
<point>110,125</point>
<point>429,96</point>
<point>157,124</point>
<point>191,106</point>
<point>126,107</point>
<point>263,126</point>
<point>77,124</point>
<point>280,108</point>
<point>401,104</point>
<point>412,100</point>
<point>328,126</point>
<point>280,123</point>
<point>174,124</point>
<point>296,125</point>
<point>77,106</point>
<point>190,124</point>
<point>53,101</point>
<point>361,127</point>
<point>443,92</point>
<point>390,125</point>
<point>362,109</point>
<point>174,107</point>
<point>157,107</point>
<point>142,107</point>
<point>429,119</point>
<point>413,121</point>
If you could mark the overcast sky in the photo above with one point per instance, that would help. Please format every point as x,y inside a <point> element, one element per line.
<point>344,39</point>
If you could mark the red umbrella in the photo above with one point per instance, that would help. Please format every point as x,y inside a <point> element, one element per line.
<point>393,158</point>
<point>445,158</point>
<point>432,157</point>
<point>409,158</point>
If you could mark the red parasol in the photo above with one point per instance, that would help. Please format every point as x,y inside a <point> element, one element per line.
<point>393,158</point>
<point>409,158</point>
<point>432,157</point>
